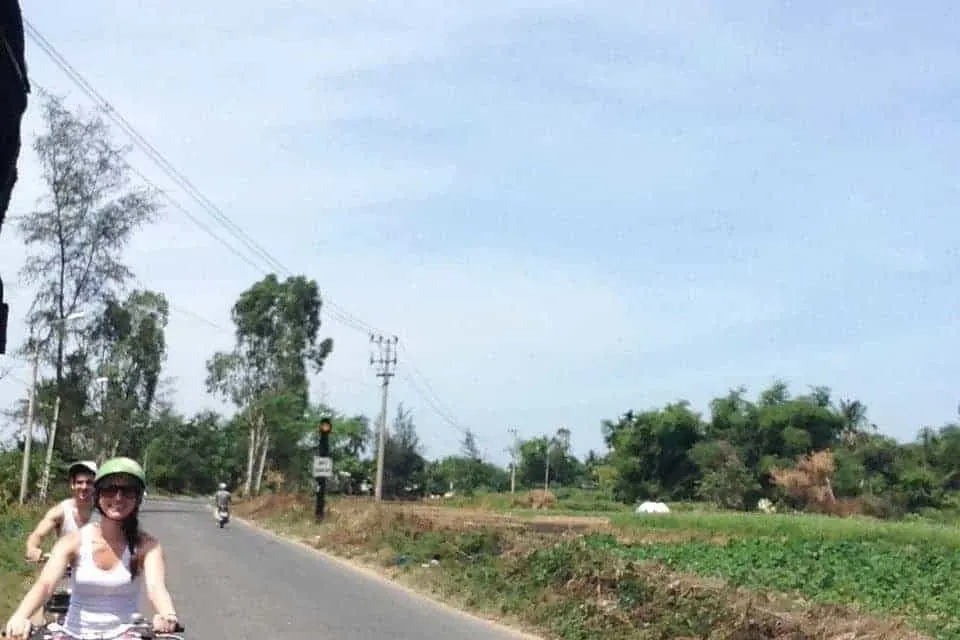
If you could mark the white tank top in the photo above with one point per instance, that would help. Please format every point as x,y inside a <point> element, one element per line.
<point>69,523</point>
<point>102,602</point>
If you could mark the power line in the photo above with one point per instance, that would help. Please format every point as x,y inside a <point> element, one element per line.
<point>335,311</point>
<point>431,396</point>
<point>186,312</point>
<point>330,307</point>
<point>146,146</point>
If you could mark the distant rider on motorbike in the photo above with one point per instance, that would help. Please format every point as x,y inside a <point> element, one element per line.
<point>68,515</point>
<point>111,559</point>
<point>222,498</point>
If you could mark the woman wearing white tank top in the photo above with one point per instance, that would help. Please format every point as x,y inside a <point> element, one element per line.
<point>110,559</point>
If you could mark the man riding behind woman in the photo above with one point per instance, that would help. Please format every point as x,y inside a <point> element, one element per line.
<point>110,558</point>
<point>65,516</point>
<point>69,515</point>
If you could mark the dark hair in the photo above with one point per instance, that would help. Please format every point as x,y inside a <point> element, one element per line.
<point>80,470</point>
<point>131,532</point>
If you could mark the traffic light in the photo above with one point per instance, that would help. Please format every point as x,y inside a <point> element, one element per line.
<point>322,456</point>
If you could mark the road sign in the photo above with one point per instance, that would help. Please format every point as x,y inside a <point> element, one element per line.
<point>322,467</point>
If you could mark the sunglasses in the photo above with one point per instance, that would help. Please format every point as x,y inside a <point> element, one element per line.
<point>114,490</point>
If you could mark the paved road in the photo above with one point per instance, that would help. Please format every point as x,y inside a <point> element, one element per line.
<point>242,583</point>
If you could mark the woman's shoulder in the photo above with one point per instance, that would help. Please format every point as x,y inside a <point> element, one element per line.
<point>148,541</point>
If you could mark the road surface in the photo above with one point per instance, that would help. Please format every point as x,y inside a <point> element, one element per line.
<point>241,583</point>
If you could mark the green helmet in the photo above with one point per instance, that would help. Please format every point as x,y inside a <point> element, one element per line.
<point>126,466</point>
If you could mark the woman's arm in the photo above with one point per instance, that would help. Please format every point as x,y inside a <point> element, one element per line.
<point>61,556</point>
<point>155,576</point>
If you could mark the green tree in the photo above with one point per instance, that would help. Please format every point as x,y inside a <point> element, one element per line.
<point>129,348</point>
<point>564,468</point>
<point>75,239</point>
<point>650,453</point>
<point>403,461</point>
<point>265,376</point>
<point>185,455</point>
<point>725,480</point>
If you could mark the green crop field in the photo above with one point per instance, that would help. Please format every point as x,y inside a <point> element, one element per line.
<point>902,569</point>
<point>802,526</point>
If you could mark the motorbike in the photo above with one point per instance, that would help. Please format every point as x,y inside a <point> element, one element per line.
<point>223,516</point>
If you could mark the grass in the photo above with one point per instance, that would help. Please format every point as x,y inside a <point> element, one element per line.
<point>744,576</point>
<point>16,523</point>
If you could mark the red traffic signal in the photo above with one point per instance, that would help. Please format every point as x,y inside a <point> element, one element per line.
<point>325,426</point>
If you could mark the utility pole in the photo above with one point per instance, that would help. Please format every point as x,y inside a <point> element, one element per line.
<point>45,481</point>
<point>514,450</point>
<point>385,364</point>
<point>28,429</point>
<point>546,475</point>
<point>322,467</point>
<point>102,383</point>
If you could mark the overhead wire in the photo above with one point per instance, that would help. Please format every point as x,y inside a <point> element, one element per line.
<point>337,312</point>
<point>331,308</point>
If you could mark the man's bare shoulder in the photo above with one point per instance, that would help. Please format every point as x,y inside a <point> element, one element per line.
<point>54,513</point>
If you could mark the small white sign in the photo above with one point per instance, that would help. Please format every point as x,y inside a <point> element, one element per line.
<point>322,467</point>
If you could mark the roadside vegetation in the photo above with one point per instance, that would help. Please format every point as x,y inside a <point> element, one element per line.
<point>16,523</point>
<point>591,578</point>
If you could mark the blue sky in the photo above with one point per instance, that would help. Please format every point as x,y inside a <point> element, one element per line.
<point>564,209</point>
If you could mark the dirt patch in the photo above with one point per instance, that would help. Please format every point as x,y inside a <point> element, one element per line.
<point>554,523</point>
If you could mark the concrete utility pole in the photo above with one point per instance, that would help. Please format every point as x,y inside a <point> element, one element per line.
<point>546,474</point>
<point>385,363</point>
<point>45,481</point>
<point>551,442</point>
<point>28,428</point>
<point>513,449</point>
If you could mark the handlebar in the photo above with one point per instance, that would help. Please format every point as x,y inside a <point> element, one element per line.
<point>42,560</point>
<point>139,625</point>
<point>144,629</point>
